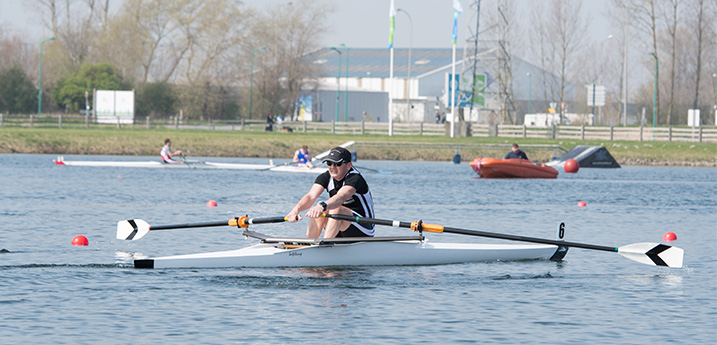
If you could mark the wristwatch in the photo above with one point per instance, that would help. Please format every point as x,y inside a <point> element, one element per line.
<point>323,204</point>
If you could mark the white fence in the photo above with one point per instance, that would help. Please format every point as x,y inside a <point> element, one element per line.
<point>578,132</point>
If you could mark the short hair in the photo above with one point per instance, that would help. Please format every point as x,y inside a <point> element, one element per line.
<point>515,145</point>
<point>166,141</point>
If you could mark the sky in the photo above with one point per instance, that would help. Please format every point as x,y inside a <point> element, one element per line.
<point>355,23</point>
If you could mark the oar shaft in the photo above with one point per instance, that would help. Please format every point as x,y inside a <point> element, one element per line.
<point>241,222</point>
<point>439,228</point>
<point>526,239</point>
<point>188,225</point>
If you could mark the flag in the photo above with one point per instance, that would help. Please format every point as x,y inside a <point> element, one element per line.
<point>457,9</point>
<point>392,19</point>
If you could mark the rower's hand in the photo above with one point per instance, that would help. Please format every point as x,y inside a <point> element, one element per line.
<point>315,211</point>
<point>293,217</point>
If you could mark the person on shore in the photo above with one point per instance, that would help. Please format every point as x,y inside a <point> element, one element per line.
<point>167,153</point>
<point>516,153</point>
<point>349,195</point>
<point>303,157</point>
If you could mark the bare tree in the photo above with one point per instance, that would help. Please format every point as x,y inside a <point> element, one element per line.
<point>700,30</point>
<point>283,71</point>
<point>560,38</point>
<point>645,16</point>
<point>671,20</point>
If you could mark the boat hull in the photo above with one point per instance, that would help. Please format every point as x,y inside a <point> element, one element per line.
<point>204,165</point>
<point>354,254</point>
<point>511,168</point>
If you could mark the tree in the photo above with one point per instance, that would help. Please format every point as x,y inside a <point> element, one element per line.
<point>70,91</point>
<point>282,72</point>
<point>560,33</point>
<point>156,99</point>
<point>17,93</point>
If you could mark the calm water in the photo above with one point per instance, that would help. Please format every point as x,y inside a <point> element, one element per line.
<point>54,293</point>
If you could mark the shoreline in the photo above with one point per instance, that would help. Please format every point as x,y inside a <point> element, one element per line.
<point>276,145</point>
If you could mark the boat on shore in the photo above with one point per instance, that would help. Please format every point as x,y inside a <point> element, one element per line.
<point>359,251</point>
<point>511,168</point>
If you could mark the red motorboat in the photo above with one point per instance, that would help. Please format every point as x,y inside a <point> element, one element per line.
<point>511,168</point>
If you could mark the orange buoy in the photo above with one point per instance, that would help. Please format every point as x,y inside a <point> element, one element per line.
<point>80,240</point>
<point>669,236</point>
<point>582,204</point>
<point>211,203</point>
<point>571,166</point>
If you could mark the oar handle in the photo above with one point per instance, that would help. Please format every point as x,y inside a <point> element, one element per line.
<point>245,221</point>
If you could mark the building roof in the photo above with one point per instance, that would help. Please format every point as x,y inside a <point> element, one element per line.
<point>375,62</point>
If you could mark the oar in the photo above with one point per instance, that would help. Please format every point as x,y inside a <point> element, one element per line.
<point>647,253</point>
<point>373,170</point>
<point>134,229</point>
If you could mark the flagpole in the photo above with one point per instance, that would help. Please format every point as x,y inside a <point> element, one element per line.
<point>453,92</point>
<point>457,9</point>
<point>390,99</point>
<point>391,29</point>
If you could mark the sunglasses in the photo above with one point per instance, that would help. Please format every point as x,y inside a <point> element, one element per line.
<point>336,164</point>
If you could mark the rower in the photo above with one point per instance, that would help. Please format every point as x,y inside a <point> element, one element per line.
<point>349,195</point>
<point>303,157</point>
<point>166,153</point>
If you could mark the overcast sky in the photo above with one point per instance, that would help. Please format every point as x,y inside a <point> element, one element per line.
<point>357,24</point>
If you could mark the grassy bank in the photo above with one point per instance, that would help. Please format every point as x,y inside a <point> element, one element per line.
<point>282,145</point>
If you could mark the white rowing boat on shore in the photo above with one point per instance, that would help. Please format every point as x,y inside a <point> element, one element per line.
<point>376,251</point>
<point>379,251</point>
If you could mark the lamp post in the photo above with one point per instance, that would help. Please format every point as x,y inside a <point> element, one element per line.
<point>654,99</point>
<point>39,82</point>
<point>338,84</point>
<point>410,47</point>
<point>346,92</point>
<point>251,82</point>
<point>624,77</point>
<point>530,92</point>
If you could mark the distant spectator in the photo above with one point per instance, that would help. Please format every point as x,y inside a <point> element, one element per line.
<point>516,153</point>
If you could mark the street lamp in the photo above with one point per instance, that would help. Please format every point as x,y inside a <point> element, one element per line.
<point>410,47</point>
<point>624,78</point>
<point>338,84</point>
<point>251,82</point>
<point>530,91</point>
<point>654,99</point>
<point>39,82</point>
<point>346,93</point>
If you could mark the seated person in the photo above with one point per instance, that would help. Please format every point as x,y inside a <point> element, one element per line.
<point>516,153</point>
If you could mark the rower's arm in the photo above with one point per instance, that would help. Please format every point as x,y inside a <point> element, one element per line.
<point>305,202</point>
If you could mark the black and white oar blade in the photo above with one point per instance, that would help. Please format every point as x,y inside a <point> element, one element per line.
<point>653,254</point>
<point>131,229</point>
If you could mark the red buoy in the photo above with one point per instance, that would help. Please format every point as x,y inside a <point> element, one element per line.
<point>571,166</point>
<point>211,203</point>
<point>80,240</point>
<point>582,204</point>
<point>669,236</point>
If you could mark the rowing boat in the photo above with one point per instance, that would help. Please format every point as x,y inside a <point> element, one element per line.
<point>192,164</point>
<point>380,251</point>
<point>511,168</point>
<point>288,167</point>
<point>375,251</point>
